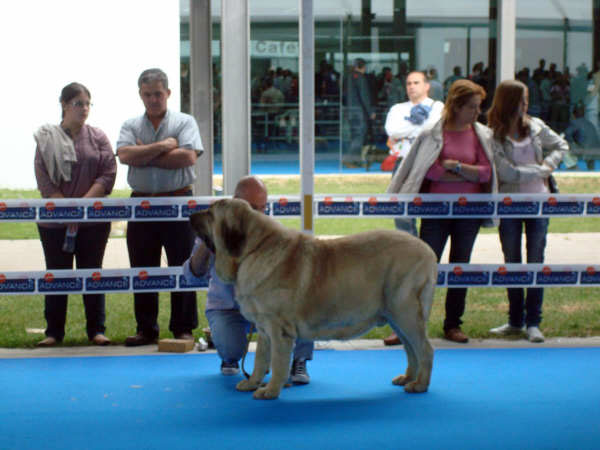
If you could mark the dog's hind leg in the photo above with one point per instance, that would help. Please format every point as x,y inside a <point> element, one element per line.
<point>262,360</point>
<point>409,322</point>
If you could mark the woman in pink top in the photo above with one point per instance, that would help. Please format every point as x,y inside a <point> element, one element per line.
<point>526,151</point>
<point>74,160</point>
<point>453,156</point>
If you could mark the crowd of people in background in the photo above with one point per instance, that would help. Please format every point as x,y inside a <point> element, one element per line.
<point>568,101</point>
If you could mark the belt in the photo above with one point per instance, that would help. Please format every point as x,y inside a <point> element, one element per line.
<point>184,191</point>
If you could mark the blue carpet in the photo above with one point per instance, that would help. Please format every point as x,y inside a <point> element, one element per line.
<point>480,399</point>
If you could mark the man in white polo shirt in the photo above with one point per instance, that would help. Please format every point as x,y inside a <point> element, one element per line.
<point>405,121</point>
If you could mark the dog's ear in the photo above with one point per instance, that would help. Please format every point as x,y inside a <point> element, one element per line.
<point>234,235</point>
<point>202,225</point>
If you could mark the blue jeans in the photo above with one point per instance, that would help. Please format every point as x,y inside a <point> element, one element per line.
<point>229,330</point>
<point>462,234</point>
<point>524,309</point>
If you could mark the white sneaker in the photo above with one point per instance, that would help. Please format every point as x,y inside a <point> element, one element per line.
<point>534,334</point>
<point>229,369</point>
<point>507,330</point>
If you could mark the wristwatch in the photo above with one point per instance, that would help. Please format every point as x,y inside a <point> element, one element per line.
<point>457,168</point>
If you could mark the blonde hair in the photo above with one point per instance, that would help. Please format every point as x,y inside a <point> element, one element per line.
<point>459,95</point>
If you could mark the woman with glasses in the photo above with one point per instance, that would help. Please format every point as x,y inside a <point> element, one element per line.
<point>74,160</point>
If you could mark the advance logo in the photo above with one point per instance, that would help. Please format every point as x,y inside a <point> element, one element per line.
<point>51,284</point>
<point>145,282</point>
<point>16,285</point>
<point>17,212</point>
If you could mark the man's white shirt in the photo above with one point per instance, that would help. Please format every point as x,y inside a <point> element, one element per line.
<point>405,132</point>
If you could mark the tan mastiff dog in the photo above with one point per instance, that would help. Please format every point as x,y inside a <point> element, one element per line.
<point>292,285</point>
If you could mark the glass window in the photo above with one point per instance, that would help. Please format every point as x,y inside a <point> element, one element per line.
<point>554,57</point>
<point>449,40</point>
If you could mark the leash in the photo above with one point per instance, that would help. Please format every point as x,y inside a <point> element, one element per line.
<point>250,333</point>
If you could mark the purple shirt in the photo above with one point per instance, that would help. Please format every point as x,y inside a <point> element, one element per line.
<point>463,146</point>
<point>95,164</point>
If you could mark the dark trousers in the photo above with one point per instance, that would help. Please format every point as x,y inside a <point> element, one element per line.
<point>90,244</point>
<point>462,234</point>
<point>524,309</point>
<point>144,243</point>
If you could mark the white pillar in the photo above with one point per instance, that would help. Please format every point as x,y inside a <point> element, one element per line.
<point>201,90</point>
<point>235,92</point>
<point>506,40</point>
<point>307,112</point>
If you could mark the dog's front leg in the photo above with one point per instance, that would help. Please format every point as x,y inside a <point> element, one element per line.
<point>281,351</point>
<point>262,360</point>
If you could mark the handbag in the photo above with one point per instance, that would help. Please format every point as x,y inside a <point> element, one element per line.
<point>553,185</point>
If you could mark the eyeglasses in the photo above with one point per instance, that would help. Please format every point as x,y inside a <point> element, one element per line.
<point>81,104</point>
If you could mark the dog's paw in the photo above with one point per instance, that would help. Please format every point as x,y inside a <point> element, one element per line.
<point>264,393</point>
<point>401,380</point>
<point>246,385</point>
<point>415,388</point>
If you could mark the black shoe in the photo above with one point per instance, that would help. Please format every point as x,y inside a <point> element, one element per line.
<point>139,339</point>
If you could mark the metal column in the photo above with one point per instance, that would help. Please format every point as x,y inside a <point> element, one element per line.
<point>506,40</point>
<point>307,112</point>
<point>201,90</point>
<point>235,92</point>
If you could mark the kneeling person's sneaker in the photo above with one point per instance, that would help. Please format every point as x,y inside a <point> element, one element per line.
<point>534,334</point>
<point>298,374</point>
<point>230,368</point>
<point>506,330</point>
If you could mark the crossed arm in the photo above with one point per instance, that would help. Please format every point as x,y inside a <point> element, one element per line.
<point>165,154</point>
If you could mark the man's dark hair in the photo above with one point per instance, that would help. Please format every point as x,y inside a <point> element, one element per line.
<point>152,75</point>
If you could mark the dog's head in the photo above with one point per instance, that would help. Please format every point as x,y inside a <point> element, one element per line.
<point>223,228</point>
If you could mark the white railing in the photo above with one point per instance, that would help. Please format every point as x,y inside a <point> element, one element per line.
<point>333,206</point>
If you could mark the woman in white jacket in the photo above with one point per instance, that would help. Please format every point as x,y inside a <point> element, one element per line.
<point>526,151</point>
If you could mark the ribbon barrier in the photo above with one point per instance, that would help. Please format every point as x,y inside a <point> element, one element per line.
<point>335,206</point>
<point>153,279</point>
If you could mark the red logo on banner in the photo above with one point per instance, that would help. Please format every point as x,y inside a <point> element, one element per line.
<point>145,204</point>
<point>192,204</point>
<point>596,201</point>
<point>96,276</point>
<point>283,201</point>
<point>328,200</point>
<point>349,199</point>
<point>507,201</point>
<point>50,206</point>
<point>2,206</point>
<point>2,278</point>
<point>590,270</point>
<point>457,271</point>
<point>372,201</point>
<point>49,277</point>
<point>143,275</point>
<point>546,270</point>
<point>393,199</point>
<point>98,205</point>
<point>418,201</point>
<point>462,201</point>
<point>502,270</point>
<point>552,201</point>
